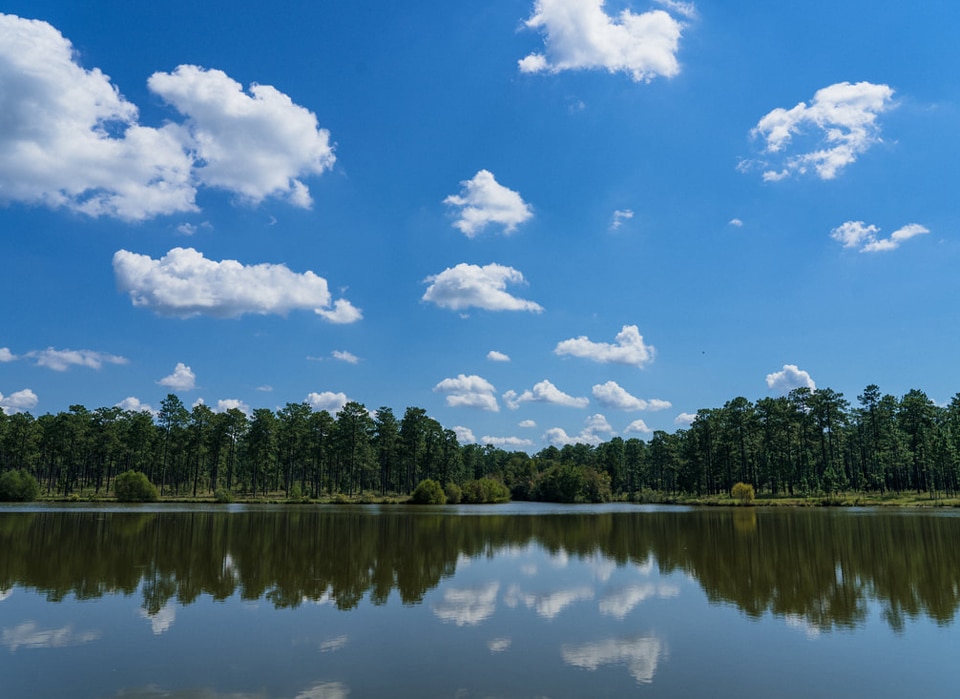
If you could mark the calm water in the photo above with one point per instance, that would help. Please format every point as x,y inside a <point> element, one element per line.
<point>507,601</point>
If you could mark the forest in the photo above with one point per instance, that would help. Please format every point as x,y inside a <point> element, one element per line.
<point>805,443</point>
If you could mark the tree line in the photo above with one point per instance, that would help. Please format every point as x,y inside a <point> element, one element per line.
<point>808,442</point>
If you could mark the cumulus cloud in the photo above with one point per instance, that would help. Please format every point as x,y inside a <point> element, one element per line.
<point>329,401</point>
<point>24,399</point>
<point>844,117</point>
<point>255,144</point>
<point>526,423</point>
<point>684,419</point>
<point>492,355</point>
<point>226,404</point>
<point>135,405</point>
<point>464,434</point>
<point>637,427</point>
<point>544,392</point>
<point>517,442</point>
<point>464,286</point>
<point>736,223</point>
<point>182,378</point>
<point>789,378</point>
<point>857,234</point>
<point>467,606</point>
<point>345,356</point>
<point>71,140</point>
<point>483,201</point>
<point>61,360</point>
<point>579,34</point>
<point>184,283</point>
<point>612,395</point>
<point>619,217</point>
<point>469,391</point>
<point>7,356</point>
<point>629,348</point>
<point>594,432</point>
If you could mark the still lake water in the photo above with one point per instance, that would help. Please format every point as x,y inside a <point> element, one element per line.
<point>519,600</point>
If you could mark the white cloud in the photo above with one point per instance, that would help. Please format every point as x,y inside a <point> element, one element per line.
<point>325,690</point>
<point>24,399</point>
<point>469,391</point>
<point>620,603</point>
<point>845,117</point>
<point>6,355</point>
<point>467,607</point>
<point>547,605</point>
<point>265,388</point>
<point>612,395</point>
<point>686,9</point>
<point>518,442</point>
<point>685,419</point>
<point>184,283</point>
<point>255,144</point>
<point>225,404</point>
<point>71,140</point>
<point>629,348</point>
<point>465,286</point>
<point>637,427</point>
<point>161,621</point>
<point>580,35</point>
<point>498,645</point>
<point>789,378</point>
<point>526,423</point>
<point>331,402</point>
<point>28,635</point>
<point>736,222</point>
<point>134,405</point>
<point>619,217</point>
<point>483,201</point>
<point>594,431</point>
<point>855,234</point>
<point>61,360</point>
<point>345,356</point>
<point>544,392</point>
<point>182,378</point>
<point>492,355</point>
<point>464,434</point>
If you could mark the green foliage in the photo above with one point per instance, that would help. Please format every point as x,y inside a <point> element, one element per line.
<point>454,493</point>
<point>428,492</point>
<point>18,486</point>
<point>485,490</point>
<point>134,486</point>
<point>223,496</point>
<point>566,482</point>
<point>742,492</point>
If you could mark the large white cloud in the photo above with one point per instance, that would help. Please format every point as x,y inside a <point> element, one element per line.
<point>68,138</point>
<point>469,391</point>
<point>544,392</point>
<point>135,405</point>
<point>61,360</point>
<point>857,234</point>
<point>465,286</point>
<point>182,378</point>
<point>789,378</point>
<point>329,401</point>
<point>464,434</point>
<point>516,442</point>
<point>596,429</point>
<point>254,144</point>
<point>637,427</point>
<point>844,115</point>
<point>7,356</point>
<point>184,283</point>
<point>484,201</point>
<point>579,34</point>
<point>629,348</point>
<point>612,395</point>
<point>24,399</point>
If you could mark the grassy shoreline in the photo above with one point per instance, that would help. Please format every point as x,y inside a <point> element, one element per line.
<point>887,500</point>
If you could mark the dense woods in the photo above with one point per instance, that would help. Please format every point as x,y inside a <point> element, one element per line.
<point>808,442</point>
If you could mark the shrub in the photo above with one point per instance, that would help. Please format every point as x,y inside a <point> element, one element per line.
<point>429,492</point>
<point>454,494</point>
<point>742,492</point>
<point>222,495</point>
<point>485,490</point>
<point>18,486</point>
<point>134,486</point>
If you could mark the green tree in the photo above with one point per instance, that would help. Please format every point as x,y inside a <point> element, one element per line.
<point>134,486</point>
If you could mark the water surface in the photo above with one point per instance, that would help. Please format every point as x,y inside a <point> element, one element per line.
<point>508,601</point>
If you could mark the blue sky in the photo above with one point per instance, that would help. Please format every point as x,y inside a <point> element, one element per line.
<point>540,221</point>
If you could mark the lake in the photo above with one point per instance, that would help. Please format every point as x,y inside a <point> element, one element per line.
<point>518,600</point>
